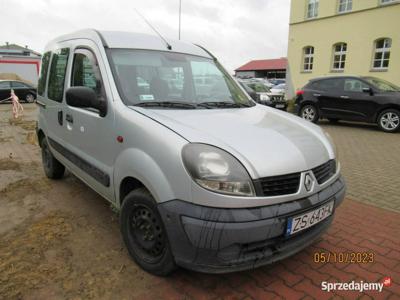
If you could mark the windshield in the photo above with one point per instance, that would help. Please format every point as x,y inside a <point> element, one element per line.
<point>174,80</point>
<point>382,85</point>
<point>259,87</point>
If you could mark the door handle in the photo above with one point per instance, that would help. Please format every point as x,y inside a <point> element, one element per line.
<point>60,117</point>
<point>316,95</point>
<point>344,97</point>
<point>69,118</point>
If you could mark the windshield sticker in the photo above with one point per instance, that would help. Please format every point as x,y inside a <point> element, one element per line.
<point>146,97</point>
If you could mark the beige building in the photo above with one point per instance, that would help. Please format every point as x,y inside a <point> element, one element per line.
<point>328,37</point>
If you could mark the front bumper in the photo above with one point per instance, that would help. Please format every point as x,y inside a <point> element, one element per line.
<point>218,240</point>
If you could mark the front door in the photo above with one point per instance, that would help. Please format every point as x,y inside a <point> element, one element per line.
<point>90,137</point>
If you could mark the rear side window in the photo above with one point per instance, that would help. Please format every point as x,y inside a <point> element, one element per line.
<point>43,73</point>
<point>328,85</point>
<point>57,74</point>
<point>18,85</point>
<point>5,85</point>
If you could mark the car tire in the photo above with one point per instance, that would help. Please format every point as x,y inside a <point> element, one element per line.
<point>389,120</point>
<point>309,112</point>
<point>52,167</point>
<point>144,233</point>
<point>333,120</point>
<point>29,98</point>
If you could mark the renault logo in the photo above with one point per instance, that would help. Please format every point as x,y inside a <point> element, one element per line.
<point>308,182</point>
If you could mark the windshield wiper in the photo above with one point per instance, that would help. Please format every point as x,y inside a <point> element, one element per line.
<point>176,104</point>
<point>213,104</point>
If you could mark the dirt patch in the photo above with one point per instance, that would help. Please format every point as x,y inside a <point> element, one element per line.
<point>6,139</point>
<point>22,187</point>
<point>31,138</point>
<point>23,264</point>
<point>24,124</point>
<point>9,164</point>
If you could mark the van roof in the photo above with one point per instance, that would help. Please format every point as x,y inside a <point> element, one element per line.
<point>130,40</point>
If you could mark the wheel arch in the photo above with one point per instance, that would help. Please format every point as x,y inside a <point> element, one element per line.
<point>390,106</point>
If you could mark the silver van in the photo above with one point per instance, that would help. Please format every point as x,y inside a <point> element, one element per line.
<point>204,178</point>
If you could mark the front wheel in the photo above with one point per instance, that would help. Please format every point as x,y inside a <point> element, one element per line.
<point>389,120</point>
<point>310,113</point>
<point>144,233</point>
<point>29,98</point>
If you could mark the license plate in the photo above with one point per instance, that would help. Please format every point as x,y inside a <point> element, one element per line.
<point>280,105</point>
<point>308,219</point>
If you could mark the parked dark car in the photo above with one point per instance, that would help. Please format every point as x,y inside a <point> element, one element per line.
<point>351,98</point>
<point>24,91</point>
<point>263,95</point>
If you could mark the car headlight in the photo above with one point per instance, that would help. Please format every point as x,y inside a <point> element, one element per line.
<point>217,170</point>
<point>264,97</point>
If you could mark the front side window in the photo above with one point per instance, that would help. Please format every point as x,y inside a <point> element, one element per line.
<point>308,58</point>
<point>43,73</point>
<point>339,56</point>
<point>153,77</point>
<point>345,6</point>
<point>382,53</point>
<point>312,9</point>
<point>354,85</point>
<point>85,71</point>
<point>382,85</point>
<point>57,74</point>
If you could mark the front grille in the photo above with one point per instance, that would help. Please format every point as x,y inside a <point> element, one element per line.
<point>278,185</point>
<point>325,171</point>
<point>276,98</point>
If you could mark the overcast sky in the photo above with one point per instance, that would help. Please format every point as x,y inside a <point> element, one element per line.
<point>235,31</point>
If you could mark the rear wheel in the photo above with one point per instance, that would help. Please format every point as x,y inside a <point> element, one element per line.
<point>389,120</point>
<point>144,233</point>
<point>52,167</point>
<point>310,113</point>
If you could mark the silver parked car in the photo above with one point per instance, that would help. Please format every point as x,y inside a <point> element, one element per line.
<point>203,177</point>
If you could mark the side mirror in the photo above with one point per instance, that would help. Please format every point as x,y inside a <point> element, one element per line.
<point>81,96</point>
<point>368,90</point>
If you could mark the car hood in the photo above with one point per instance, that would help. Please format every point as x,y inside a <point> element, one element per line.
<point>266,141</point>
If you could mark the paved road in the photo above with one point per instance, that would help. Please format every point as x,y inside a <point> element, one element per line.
<point>60,240</point>
<point>370,162</point>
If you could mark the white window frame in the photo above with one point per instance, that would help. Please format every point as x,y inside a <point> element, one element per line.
<point>387,44</point>
<point>345,6</point>
<point>342,53</point>
<point>308,59</point>
<point>312,9</point>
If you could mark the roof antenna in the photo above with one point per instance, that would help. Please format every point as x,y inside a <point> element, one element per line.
<point>169,47</point>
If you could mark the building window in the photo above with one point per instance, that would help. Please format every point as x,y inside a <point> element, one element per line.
<point>312,9</point>
<point>339,56</point>
<point>387,1</point>
<point>308,58</point>
<point>382,53</point>
<point>345,6</point>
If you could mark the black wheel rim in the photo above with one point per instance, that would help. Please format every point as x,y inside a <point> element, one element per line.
<point>146,234</point>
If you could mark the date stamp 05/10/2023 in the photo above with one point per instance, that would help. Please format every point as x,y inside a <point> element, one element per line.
<point>343,257</point>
